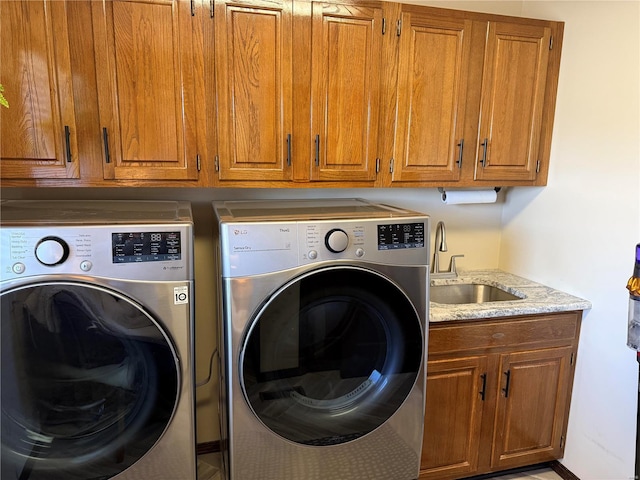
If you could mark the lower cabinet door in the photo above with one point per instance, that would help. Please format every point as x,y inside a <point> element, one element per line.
<point>455,396</point>
<point>531,409</point>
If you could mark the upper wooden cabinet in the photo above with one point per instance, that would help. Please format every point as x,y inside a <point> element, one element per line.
<point>475,96</point>
<point>254,82</point>
<point>148,55</point>
<point>513,96</point>
<point>332,78</point>
<point>433,71</point>
<point>346,53</point>
<point>274,93</point>
<point>38,131</point>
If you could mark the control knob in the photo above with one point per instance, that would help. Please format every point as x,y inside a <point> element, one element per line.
<point>52,251</point>
<point>336,240</point>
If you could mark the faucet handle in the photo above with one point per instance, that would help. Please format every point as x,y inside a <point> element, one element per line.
<point>452,263</point>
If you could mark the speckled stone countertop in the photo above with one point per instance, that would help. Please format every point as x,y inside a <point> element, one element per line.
<point>537,299</point>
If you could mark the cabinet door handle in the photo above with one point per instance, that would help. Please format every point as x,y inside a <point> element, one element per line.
<point>67,141</point>
<point>484,386</point>
<point>461,146</point>
<point>105,139</point>
<point>507,384</point>
<point>484,145</point>
<point>317,150</point>
<point>289,150</point>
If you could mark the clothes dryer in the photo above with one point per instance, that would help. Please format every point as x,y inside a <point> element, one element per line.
<point>324,316</point>
<point>97,341</point>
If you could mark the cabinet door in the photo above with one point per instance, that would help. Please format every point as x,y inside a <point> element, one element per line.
<point>513,94</point>
<point>346,48</point>
<point>532,405</point>
<point>432,80</point>
<point>145,61</point>
<point>38,130</point>
<point>456,390</point>
<point>254,88</point>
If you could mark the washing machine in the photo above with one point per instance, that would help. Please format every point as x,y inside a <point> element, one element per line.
<point>324,321</point>
<point>97,340</point>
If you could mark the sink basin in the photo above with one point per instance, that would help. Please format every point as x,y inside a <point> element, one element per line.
<point>470,293</point>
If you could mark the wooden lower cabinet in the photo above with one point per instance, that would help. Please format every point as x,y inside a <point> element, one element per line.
<point>452,426</point>
<point>498,393</point>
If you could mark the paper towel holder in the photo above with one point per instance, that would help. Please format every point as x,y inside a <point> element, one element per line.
<point>465,196</point>
<point>442,190</point>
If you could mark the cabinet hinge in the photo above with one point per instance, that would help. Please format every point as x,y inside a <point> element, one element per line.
<point>538,166</point>
<point>562,442</point>
<point>193,8</point>
<point>384,25</point>
<point>391,166</point>
<point>377,165</point>
<point>198,162</point>
<point>399,27</point>
<point>571,359</point>
<point>551,43</point>
<point>216,163</point>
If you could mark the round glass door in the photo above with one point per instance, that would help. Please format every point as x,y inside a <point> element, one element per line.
<point>331,356</point>
<point>89,382</point>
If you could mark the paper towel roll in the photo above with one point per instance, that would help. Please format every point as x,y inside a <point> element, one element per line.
<point>456,197</point>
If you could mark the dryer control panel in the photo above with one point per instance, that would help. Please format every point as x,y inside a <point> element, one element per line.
<point>128,252</point>
<point>250,248</point>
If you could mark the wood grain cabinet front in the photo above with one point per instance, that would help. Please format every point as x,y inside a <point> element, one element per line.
<point>306,113</point>
<point>346,52</point>
<point>474,99</point>
<point>254,86</point>
<point>456,389</point>
<point>274,93</point>
<point>433,72</point>
<point>148,56</point>
<point>38,130</point>
<point>498,393</point>
<point>514,81</point>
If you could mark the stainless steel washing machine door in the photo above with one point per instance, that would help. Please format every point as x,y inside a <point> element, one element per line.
<point>331,355</point>
<point>89,382</point>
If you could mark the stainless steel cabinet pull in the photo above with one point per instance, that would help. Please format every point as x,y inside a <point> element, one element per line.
<point>67,140</point>
<point>289,149</point>
<point>461,146</point>
<point>484,145</point>
<point>105,139</point>
<point>317,150</point>
<point>508,383</point>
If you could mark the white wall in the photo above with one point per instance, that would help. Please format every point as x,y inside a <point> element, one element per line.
<point>579,233</point>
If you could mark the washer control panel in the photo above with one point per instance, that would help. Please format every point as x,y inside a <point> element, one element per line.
<point>136,252</point>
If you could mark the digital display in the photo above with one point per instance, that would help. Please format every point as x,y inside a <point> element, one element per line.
<point>145,247</point>
<point>400,235</point>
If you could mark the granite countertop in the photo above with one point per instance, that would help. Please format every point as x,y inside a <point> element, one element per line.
<point>537,299</point>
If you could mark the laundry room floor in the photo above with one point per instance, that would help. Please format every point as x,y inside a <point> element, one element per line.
<point>209,469</point>
<point>537,474</point>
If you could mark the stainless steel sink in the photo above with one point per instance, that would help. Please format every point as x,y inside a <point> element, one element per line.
<point>470,293</point>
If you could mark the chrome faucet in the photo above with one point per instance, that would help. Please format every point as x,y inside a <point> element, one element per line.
<point>441,246</point>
